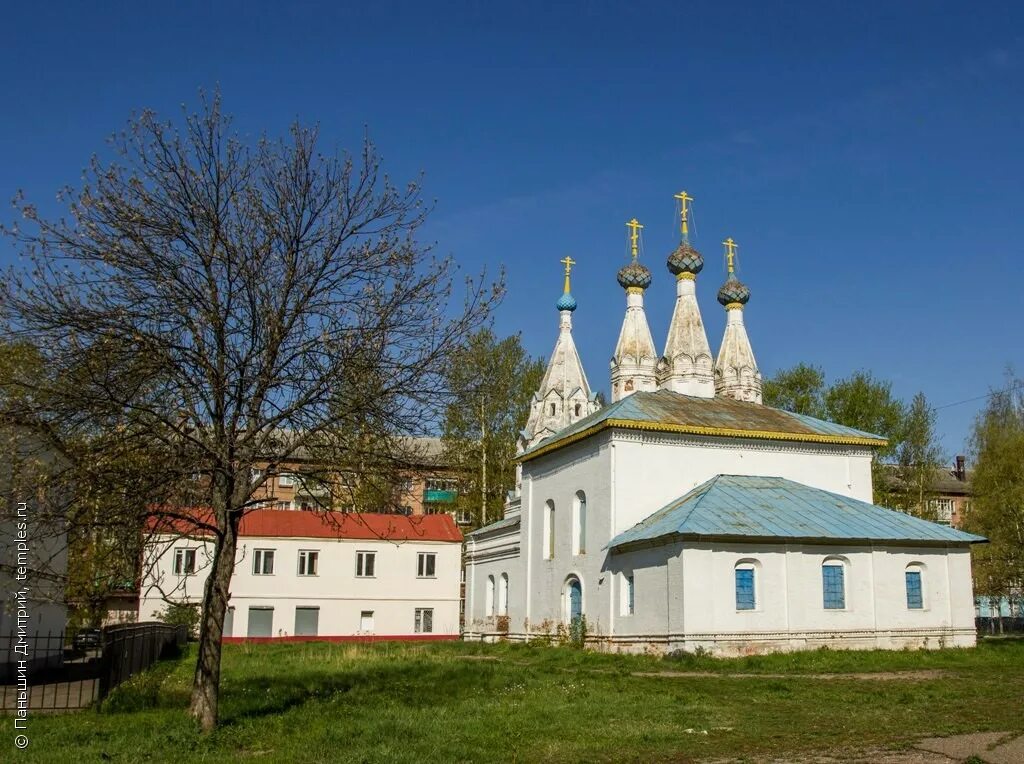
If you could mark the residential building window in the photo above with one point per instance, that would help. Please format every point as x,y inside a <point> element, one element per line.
<point>833,584</point>
<point>746,597</point>
<point>627,604</point>
<point>425,563</point>
<point>263,562</point>
<point>489,602</point>
<point>307,621</point>
<point>287,505</point>
<point>915,593</point>
<point>286,480</point>
<point>943,509</point>
<point>503,594</point>
<point>424,620</point>
<point>309,560</point>
<point>365,562</point>
<point>464,517</point>
<point>255,475</point>
<point>580,523</point>
<point>366,621</point>
<point>261,622</point>
<point>184,562</point>
<point>549,530</point>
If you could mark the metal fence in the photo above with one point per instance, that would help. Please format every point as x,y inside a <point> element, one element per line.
<point>44,672</point>
<point>999,625</point>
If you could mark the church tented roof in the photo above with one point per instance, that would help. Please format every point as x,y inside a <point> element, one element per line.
<point>668,411</point>
<point>741,506</point>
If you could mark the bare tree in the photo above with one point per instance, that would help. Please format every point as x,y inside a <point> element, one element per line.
<point>212,304</point>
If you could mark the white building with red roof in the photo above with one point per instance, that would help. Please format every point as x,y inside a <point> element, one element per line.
<point>324,575</point>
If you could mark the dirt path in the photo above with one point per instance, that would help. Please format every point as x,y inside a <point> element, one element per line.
<point>880,676</point>
<point>988,747</point>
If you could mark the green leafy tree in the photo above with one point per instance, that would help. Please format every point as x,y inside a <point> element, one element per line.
<point>492,381</point>
<point>918,460</point>
<point>997,508</point>
<point>903,472</point>
<point>800,389</point>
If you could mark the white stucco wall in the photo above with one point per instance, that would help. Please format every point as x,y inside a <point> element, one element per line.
<point>685,597</point>
<point>653,469</point>
<point>684,593</point>
<point>392,594</point>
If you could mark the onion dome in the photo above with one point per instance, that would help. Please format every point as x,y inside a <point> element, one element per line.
<point>634,275</point>
<point>566,302</point>
<point>685,259</point>
<point>733,291</point>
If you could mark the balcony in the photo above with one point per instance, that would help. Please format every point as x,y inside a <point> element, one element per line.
<point>440,496</point>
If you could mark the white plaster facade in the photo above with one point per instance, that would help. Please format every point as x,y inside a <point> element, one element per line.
<point>683,592</point>
<point>392,594</point>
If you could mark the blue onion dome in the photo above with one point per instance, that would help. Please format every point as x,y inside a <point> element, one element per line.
<point>733,291</point>
<point>566,302</point>
<point>634,275</point>
<point>685,259</point>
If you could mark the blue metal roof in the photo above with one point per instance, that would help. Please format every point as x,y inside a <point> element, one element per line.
<point>744,506</point>
<point>722,416</point>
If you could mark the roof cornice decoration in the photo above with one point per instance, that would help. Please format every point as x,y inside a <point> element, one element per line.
<point>720,432</point>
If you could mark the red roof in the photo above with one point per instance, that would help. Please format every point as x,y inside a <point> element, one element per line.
<point>282,523</point>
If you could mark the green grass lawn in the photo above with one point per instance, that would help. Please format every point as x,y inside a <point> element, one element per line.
<point>468,702</point>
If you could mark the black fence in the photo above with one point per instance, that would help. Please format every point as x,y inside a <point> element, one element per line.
<point>45,672</point>
<point>988,627</point>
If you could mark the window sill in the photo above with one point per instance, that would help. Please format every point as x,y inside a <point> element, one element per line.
<point>365,576</point>
<point>427,577</point>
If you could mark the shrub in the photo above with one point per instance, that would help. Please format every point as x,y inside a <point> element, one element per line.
<point>182,614</point>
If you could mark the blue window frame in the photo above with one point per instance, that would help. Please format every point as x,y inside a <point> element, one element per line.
<point>745,599</point>
<point>915,598</point>
<point>833,587</point>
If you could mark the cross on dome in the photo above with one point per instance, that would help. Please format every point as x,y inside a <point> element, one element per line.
<point>684,221</point>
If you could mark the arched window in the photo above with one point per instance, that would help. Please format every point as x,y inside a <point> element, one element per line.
<point>579,524</point>
<point>552,409</point>
<point>746,584</point>
<point>833,583</point>
<point>578,409</point>
<point>549,530</point>
<point>914,576</point>
<point>503,594</point>
<point>490,595</point>
<point>572,596</point>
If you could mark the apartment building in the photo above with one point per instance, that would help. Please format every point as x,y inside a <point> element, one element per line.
<point>325,575</point>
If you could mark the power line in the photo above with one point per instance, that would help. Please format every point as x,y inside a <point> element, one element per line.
<point>1009,389</point>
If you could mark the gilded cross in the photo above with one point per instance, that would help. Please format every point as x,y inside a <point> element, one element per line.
<point>634,236</point>
<point>568,262</point>
<point>683,198</point>
<point>730,252</point>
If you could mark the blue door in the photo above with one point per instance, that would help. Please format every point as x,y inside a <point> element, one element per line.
<point>575,601</point>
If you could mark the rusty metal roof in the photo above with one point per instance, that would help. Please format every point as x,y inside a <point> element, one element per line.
<point>668,411</point>
<point>743,506</point>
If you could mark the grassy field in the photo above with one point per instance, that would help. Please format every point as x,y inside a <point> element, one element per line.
<point>464,702</point>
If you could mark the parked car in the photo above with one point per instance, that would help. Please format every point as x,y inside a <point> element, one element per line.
<point>87,639</point>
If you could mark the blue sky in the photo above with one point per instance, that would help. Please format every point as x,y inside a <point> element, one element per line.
<point>867,157</point>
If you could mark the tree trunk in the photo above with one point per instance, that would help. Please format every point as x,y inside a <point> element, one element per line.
<point>206,683</point>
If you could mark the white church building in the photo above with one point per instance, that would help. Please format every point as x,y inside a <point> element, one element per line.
<point>685,514</point>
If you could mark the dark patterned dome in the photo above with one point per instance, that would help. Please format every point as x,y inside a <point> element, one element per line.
<point>566,302</point>
<point>634,275</point>
<point>733,291</point>
<point>685,259</point>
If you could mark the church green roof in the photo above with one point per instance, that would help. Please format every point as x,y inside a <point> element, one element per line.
<point>668,411</point>
<point>742,506</point>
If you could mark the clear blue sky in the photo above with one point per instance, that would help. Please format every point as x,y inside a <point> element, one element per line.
<point>869,158</point>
